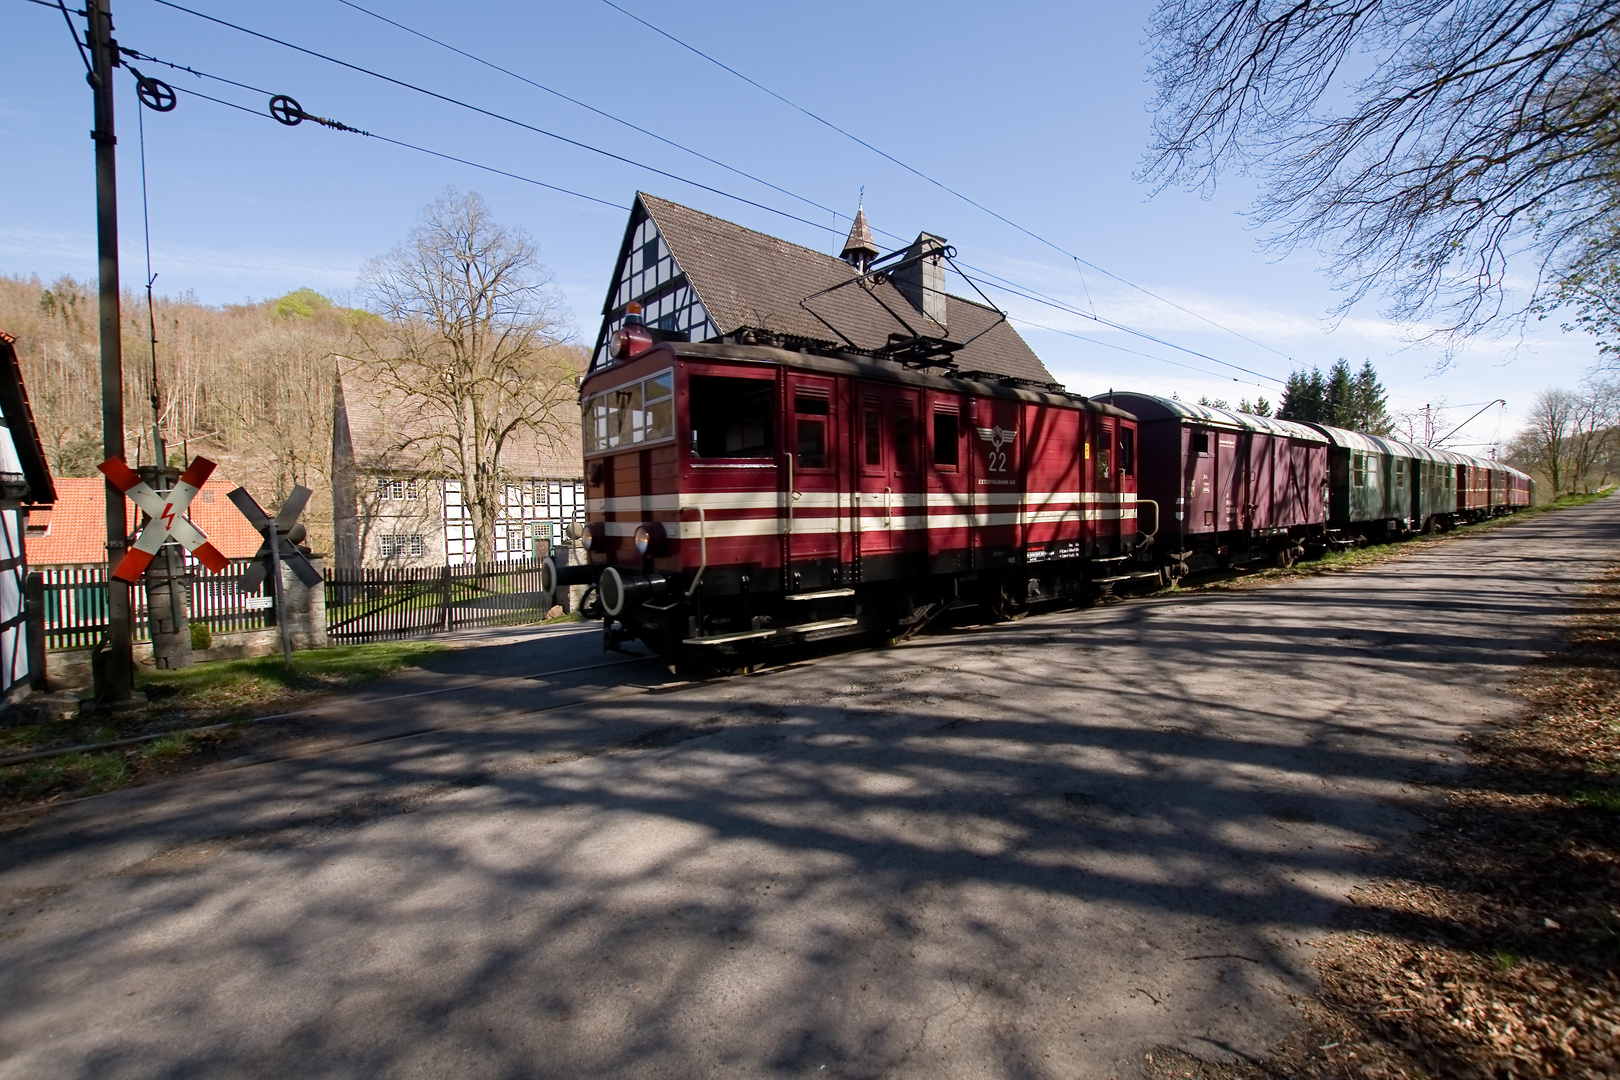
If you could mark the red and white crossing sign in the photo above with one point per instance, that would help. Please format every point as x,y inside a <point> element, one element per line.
<point>167,514</point>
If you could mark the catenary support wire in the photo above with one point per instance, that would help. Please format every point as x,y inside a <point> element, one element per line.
<point>674,176</point>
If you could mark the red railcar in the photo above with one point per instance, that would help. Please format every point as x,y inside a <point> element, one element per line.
<point>740,496</point>
<point>1231,485</point>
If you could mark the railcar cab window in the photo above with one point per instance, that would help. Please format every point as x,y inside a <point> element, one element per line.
<point>638,412</point>
<point>731,417</point>
<point>1104,458</point>
<point>1127,452</point>
<point>810,411</point>
<point>947,424</point>
<point>1200,444</point>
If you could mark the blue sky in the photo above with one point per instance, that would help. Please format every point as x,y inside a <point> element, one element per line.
<point>1036,110</point>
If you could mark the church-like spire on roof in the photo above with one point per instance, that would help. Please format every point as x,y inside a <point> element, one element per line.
<point>859,250</point>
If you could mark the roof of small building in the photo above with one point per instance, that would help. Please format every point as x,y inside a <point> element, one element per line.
<point>751,280</point>
<point>19,418</point>
<point>74,529</point>
<point>382,422</point>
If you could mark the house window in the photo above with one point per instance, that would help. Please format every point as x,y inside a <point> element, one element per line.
<point>390,547</point>
<point>389,490</point>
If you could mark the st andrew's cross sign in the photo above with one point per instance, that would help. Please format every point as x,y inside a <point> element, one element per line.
<point>166,517</point>
<point>281,536</point>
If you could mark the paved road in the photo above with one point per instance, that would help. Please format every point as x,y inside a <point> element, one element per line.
<point>1029,851</point>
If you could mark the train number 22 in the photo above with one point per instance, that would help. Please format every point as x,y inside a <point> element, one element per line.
<point>998,461</point>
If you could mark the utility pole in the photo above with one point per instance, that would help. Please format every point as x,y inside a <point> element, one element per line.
<point>115,675</point>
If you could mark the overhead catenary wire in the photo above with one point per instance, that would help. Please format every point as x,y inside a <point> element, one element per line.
<point>412,146</point>
<point>492,114</point>
<point>1059,248</point>
<point>593,109</point>
<point>1020,290</point>
<point>642,165</point>
<point>1003,283</point>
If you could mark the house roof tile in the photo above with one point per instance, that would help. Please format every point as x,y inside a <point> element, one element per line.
<point>748,279</point>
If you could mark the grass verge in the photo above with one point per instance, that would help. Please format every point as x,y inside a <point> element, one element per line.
<point>1334,562</point>
<point>1491,948</point>
<point>214,692</point>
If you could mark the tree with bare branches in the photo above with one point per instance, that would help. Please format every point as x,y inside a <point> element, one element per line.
<point>1544,442</point>
<point>1421,143</point>
<point>471,353</point>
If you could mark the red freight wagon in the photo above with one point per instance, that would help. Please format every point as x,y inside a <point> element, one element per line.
<point>1231,486</point>
<point>745,495</point>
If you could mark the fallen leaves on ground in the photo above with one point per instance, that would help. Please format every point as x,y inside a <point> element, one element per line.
<point>1491,947</point>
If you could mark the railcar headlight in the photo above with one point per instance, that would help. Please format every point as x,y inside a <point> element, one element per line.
<point>651,539</point>
<point>596,537</point>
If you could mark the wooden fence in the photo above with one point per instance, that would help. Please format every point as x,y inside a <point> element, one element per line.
<point>76,603</point>
<point>378,604</point>
<point>370,605</point>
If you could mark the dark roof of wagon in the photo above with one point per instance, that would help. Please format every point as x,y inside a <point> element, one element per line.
<point>749,280</point>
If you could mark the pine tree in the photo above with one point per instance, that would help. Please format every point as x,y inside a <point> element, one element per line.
<point>1258,407</point>
<point>1304,398</point>
<point>1371,402</point>
<point>1339,404</point>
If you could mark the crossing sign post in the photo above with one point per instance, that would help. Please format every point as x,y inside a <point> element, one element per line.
<point>282,534</point>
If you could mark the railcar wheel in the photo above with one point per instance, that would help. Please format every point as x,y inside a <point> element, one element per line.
<point>1285,556</point>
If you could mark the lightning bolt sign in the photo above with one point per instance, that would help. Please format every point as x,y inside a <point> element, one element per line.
<point>168,517</point>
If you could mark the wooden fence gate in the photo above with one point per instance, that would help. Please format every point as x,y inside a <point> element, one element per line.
<point>378,604</point>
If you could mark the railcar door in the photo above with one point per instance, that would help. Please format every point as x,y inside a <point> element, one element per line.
<point>893,505</point>
<point>1125,485</point>
<point>815,507</point>
<point>949,507</point>
<point>1202,494</point>
<point>1231,460</point>
<point>1260,472</point>
<point>1102,504</point>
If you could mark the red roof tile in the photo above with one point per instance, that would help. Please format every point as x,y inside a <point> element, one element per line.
<point>76,526</point>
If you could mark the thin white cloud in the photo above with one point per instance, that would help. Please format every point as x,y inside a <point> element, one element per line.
<point>50,253</point>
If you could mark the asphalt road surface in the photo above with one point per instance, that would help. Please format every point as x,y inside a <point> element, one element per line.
<point>1034,850</point>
